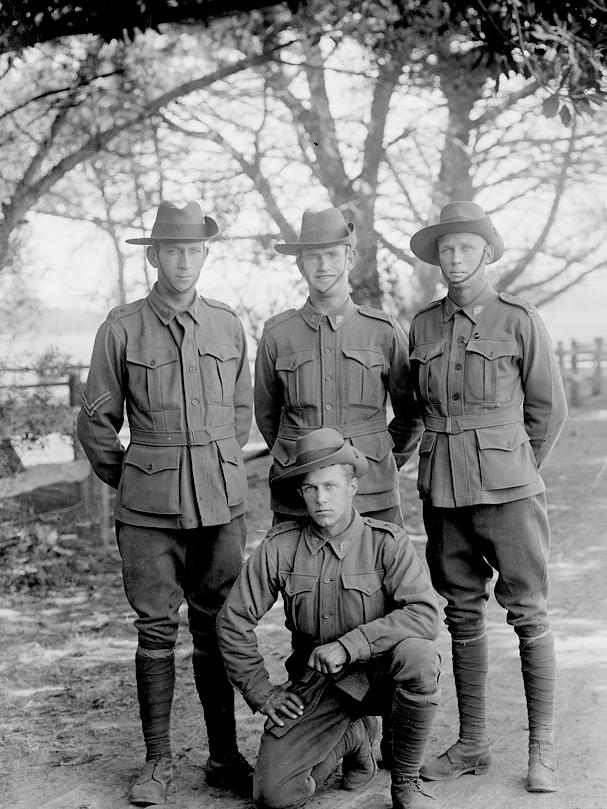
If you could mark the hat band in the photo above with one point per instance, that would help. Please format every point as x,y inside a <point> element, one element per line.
<point>168,231</point>
<point>311,455</point>
<point>324,235</point>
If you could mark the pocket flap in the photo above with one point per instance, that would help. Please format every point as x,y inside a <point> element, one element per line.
<point>364,356</point>
<point>375,446</point>
<point>492,349</point>
<point>300,583</point>
<point>229,450</point>
<point>220,351</point>
<point>427,351</point>
<point>427,443</point>
<point>152,357</point>
<point>152,459</point>
<point>506,437</point>
<point>367,583</point>
<point>292,361</point>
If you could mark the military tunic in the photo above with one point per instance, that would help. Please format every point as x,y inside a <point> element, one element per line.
<point>492,397</point>
<point>314,370</point>
<point>184,378</point>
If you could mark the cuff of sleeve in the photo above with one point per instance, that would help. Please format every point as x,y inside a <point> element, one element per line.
<point>400,458</point>
<point>356,645</point>
<point>257,697</point>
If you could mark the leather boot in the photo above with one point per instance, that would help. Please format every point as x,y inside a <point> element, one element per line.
<point>408,793</point>
<point>472,753</point>
<point>358,765</point>
<point>225,768</point>
<point>543,773</point>
<point>412,717</point>
<point>150,786</point>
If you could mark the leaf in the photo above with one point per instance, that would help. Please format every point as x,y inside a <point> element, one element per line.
<point>550,105</point>
<point>565,115</point>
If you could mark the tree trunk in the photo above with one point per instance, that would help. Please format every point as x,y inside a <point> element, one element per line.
<point>10,463</point>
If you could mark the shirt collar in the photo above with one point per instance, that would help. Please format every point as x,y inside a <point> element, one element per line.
<point>337,317</point>
<point>341,543</point>
<point>472,310</point>
<point>166,313</point>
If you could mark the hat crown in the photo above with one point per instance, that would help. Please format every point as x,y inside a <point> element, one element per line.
<point>321,443</point>
<point>461,211</point>
<point>323,225</point>
<point>179,224</point>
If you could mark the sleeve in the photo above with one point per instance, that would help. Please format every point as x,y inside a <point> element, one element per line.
<point>268,393</point>
<point>406,427</point>
<point>414,613</point>
<point>254,592</point>
<point>243,393</point>
<point>545,403</point>
<point>102,413</point>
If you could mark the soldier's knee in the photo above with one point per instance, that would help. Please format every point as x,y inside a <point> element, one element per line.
<point>272,791</point>
<point>416,666</point>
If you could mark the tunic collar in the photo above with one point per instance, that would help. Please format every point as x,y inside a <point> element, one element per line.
<point>341,543</point>
<point>336,318</point>
<point>166,313</point>
<point>472,310</point>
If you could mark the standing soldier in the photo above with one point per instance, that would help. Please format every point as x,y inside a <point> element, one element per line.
<point>494,406</point>
<point>331,364</point>
<point>179,362</point>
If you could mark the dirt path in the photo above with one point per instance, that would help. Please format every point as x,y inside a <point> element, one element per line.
<point>69,730</point>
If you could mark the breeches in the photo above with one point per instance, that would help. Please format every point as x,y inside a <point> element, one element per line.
<point>161,567</point>
<point>466,544</point>
<point>284,765</point>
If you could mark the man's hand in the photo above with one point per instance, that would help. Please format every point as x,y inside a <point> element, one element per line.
<point>282,702</point>
<point>329,658</point>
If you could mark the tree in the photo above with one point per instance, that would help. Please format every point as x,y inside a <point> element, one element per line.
<point>559,42</point>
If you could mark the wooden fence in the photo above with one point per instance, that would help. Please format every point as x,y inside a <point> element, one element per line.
<point>583,368</point>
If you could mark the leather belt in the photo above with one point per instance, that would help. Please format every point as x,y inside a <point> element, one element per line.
<point>453,425</point>
<point>368,427</point>
<point>182,438</point>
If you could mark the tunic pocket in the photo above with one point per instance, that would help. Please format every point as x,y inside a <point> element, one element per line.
<point>150,479</point>
<point>154,378</point>
<point>363,597</point>
<point>233,470</point>
<point>361,379</point>
<point>427,366</point>
<point>505,456</point>
<point>300,597</point>
<point>297,372</point>
<point>487,362</point>
<point>218,363</point>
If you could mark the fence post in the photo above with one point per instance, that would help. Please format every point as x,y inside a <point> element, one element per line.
<point>597,377</point>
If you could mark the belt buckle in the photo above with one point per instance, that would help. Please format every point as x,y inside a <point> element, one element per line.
<point>453,426</point>
<point>191,438</point>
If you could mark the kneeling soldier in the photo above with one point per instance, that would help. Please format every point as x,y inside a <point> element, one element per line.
<point>363,619</point>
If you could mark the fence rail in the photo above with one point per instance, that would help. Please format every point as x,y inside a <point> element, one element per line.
<point>583,368</point>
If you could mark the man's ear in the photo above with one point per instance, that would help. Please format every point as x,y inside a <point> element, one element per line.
<point>354,485</point>
<point>352,254</point>
<point>152,254</point>
<point>489,253</point>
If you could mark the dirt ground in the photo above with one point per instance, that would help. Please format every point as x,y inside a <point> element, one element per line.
<point>69,728</point>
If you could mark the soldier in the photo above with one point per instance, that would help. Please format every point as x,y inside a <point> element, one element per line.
<point>331,363</point>
<point>179,362</point>
<point>494,406</point>
<point>362,616</point>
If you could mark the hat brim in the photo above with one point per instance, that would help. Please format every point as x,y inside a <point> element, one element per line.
<point>295,248</point>
<point>423,243</point>
<point>209,231</point>
<point>344,455</point>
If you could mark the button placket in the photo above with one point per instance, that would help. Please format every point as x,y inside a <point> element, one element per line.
<point>328,358</point>
<point>327,596</point>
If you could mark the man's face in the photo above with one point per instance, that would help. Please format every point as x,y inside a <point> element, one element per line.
<point>328,494</point>
<point>179,264</point>
<point>460,254</point>
<point>325,268</point>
